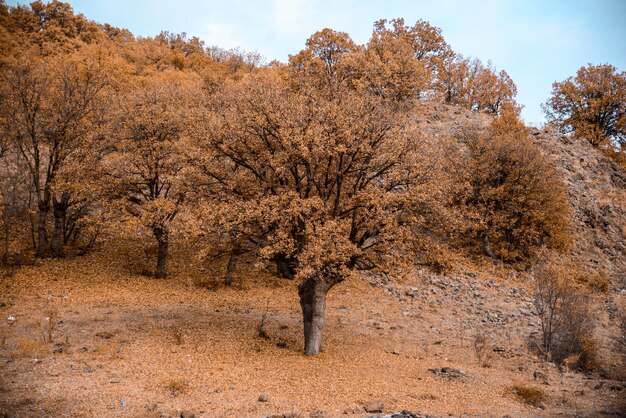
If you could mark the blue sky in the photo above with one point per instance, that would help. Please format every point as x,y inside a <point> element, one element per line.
<point>536,41</point>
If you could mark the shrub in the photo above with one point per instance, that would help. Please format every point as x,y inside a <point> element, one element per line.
<point>514,200</point>
<point>177,386</point>
<point>619,341</point>
<point>483,350</point>
<point>529,394</point>
<point>566,320</point>
<point>596,282</point>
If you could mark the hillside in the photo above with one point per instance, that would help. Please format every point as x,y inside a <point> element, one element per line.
<point>596,187</point>
<point>91,336</point>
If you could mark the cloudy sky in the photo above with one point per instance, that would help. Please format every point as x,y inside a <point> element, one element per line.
<point>536,41</point>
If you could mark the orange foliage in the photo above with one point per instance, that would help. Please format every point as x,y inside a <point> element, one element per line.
<point>516,199</point>
<point>592,105</point>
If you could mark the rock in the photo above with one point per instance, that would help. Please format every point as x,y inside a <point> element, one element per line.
<point>540,376</point>
<point>281,344</point>
<point>318,413</point>
<point>375,405</point>
<point>152,407</point>
<point>187,414</point>
<point>2,304</point>
<point>448,372</point>
<point>354,410</point>
<point>291,414</point>
<point>58,348</point>
<point>264,397</point>
<point>413,292</point>
<point>402,414</point>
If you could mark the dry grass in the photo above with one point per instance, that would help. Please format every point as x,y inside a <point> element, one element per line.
<point>27,348</point>
<point>530,395</point>
<point>177,386</point>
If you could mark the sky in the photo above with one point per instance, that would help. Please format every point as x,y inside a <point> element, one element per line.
<point>537,42</point>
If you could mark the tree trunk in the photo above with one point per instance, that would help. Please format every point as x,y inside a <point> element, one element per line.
<point>7,234</point>
<point>161,235</point>
<point>306,291</point>
<point>230,268</point>
<point>285,267</point>
<point>487,246</point>
<point>42,246</point>
<point>313,303</point>
<point>58,236</point>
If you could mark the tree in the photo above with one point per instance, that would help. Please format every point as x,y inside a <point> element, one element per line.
<point>321,174</point>
<point>591,105</point>
<point>51,107</point>
<point>471,84</point>
<point>427,43</point>
<point>50,28</point>
<point>145,161</point>
<point>14,202</point>
<point>388,67</point>
<point>516,200</point>
<point>325,60</point>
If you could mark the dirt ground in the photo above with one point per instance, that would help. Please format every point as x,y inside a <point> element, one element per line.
<point>90,337</point>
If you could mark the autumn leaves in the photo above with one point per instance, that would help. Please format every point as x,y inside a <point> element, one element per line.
<point>316,165</point>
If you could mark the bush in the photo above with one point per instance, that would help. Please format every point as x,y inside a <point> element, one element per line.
<point>514,200</point>
<point>528,394</point>
<point>483,350</point>
<point>566,320</point>
<point>596,282</point>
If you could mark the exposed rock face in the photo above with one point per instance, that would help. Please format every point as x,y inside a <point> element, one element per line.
<point>597,193</point>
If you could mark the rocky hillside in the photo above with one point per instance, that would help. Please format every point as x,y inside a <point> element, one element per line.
<point>596,186</point>
<point>597,192</point>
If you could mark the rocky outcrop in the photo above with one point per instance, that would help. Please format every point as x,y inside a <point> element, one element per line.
<point>597,193</point>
